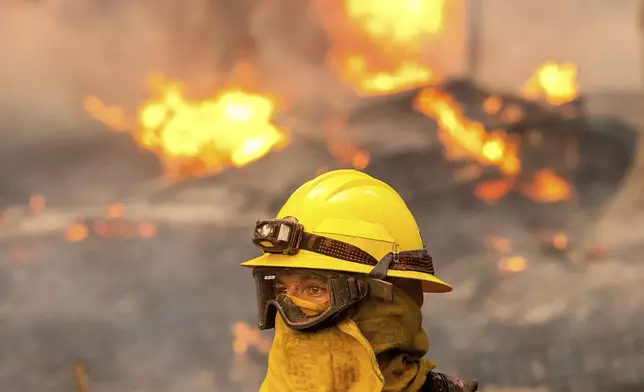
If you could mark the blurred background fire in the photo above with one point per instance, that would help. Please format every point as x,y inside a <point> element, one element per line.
<point>141,140</point>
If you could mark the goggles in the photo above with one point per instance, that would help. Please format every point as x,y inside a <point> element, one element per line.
<point>335,291</point>
<point>332,293</point>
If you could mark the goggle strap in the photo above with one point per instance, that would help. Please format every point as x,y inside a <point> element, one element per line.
<point>381,268</point>
<point>380,289</point>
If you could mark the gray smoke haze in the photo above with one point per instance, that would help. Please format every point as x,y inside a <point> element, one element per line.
<point>602,37</point>
<point>156,314</point>
<point>56,52</point>
<point>142,321</point>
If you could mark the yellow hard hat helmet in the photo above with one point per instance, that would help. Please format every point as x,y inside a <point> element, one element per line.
<point>346,220</point>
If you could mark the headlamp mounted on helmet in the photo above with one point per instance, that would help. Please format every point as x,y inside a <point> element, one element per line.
<point>278,235</point>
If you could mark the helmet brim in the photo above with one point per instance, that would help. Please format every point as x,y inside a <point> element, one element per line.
<point>306,259</point>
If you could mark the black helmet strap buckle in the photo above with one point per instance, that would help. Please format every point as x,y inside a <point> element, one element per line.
<point>381,268</point>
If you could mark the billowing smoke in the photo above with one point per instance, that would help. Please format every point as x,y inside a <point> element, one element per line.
<point>55,52</point>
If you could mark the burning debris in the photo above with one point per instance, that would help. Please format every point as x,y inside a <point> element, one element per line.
<point>189,140</point>
<point>233,127</point>
<point>512,264</point>
<point>113,225</point>
<point>246,336</point>
<point>511,157</point>
<point>375,50</point>
<point>547,187</point>
<point>556,83</point>
<point>494,163</point>
<point>80,376</point>
<point>378,49</point>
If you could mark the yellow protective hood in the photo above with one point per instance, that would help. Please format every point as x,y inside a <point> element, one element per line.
<point>377,348</point>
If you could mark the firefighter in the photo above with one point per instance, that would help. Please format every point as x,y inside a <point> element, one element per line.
<point>341,280</point>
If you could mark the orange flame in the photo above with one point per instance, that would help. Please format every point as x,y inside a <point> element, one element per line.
<point>547,187</point>
<point>401,21</point>
<point>233,127</point>
<point>109,228</point>
<point>560,241</point>
<point>556,83</point>
<point>513,264</point>
<point>246,337</point>
<point>376,45</point>
<point>113,116</point>
<point>81,377</point>
<point>76,232</point>
<point>506,263</point>
<point>512,114</point>
<point>114,211</point>
<point>492,191</point>
<point>466,139</point>
<point>147,229</point>
<point>339,145</point>
<point>114,225</point>
<point>499,244</point>
<point>37,204</point>
<point>367,81</point>
<point>492,105</point>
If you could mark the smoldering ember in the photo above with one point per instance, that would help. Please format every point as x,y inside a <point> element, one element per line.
<point>120,248</point>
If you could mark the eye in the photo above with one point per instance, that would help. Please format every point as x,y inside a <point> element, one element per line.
<point>280,289</point>
<point>315,290</point>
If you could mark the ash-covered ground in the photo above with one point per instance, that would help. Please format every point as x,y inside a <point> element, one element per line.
<point>157,314</point>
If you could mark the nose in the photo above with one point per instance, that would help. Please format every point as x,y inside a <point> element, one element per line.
<point>292,289</point>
